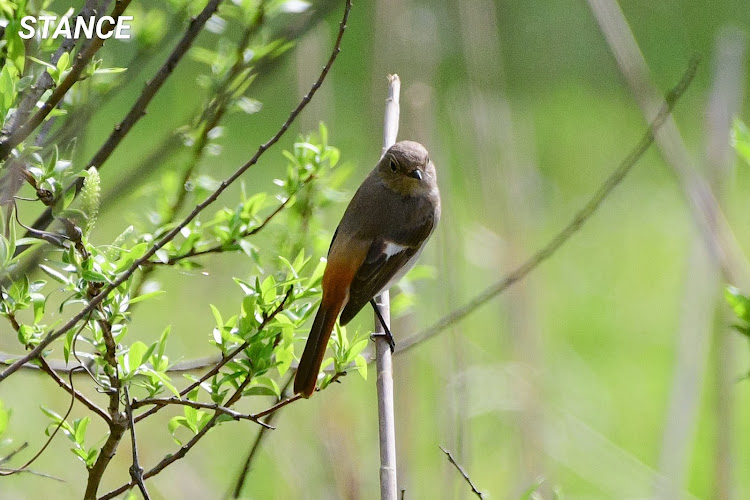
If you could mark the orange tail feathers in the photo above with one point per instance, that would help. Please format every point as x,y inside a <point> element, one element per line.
<point>312,357</point>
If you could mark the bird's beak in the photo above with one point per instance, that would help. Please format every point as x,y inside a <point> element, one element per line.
<point>416,173</point>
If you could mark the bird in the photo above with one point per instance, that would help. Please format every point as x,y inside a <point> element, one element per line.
<point>379,239</point>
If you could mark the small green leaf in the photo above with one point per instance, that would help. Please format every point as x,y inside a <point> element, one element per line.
<point>135,356</point>
<point>361,365</point>
<point>146,296</point>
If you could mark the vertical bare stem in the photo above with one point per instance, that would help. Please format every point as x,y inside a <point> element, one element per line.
<point>384,361</point>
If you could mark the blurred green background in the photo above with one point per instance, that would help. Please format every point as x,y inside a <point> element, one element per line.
<point>610,372</point>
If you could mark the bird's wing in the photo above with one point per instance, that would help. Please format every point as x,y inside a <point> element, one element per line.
<point>387,256</point>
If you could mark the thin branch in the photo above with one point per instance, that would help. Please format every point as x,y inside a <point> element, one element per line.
<point>117,430</point>
<point>136,471</point>
<point>138,110</point>
<point>704,207</point>
<point>563,236</point>
<point>45,367</point>
<point>9,456</point>
<point>226,359</point>
<point>383,338</point>
<point>240,483</point>
<point>170,459</point>
<point>52,336</point>
<point>292,399</point>
<point>235,415</point>
<point>22,132</point>
<point>245,234</point>
<point>118,422</point>
<point>10,472</point>
<point>460,469</point>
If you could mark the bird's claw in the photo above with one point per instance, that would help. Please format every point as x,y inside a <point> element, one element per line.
<point>388,337</point>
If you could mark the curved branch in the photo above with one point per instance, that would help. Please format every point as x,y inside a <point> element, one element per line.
<point>578,221</point>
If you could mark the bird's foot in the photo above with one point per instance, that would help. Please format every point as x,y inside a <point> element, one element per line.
<point>388,337</point>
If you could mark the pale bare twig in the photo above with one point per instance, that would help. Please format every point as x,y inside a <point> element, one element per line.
<point>383,353</point>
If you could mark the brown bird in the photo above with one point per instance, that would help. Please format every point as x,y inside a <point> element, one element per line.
<point>379,238</point>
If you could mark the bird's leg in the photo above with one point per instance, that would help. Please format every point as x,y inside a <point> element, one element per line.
<point>387,331</point>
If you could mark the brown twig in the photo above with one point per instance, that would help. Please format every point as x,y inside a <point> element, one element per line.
<point>463,473</point>
<point>118,422</point>
<point>23,131</point>
<point>169,459</point>
<point>235,415</point>
<point>190,444</point>
<point>563,236</point>
<point>117,430</point>
<point>245,234</point>
<point>45,367</point>
<point>136,471</point>
<point>52,336</point>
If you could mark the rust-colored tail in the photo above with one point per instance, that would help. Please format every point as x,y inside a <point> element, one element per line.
<point>312,357</point>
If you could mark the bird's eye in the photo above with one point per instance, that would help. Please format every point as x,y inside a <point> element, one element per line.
<point>393,165</point>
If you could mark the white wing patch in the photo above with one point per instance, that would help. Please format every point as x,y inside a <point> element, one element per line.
<point>392,249</point>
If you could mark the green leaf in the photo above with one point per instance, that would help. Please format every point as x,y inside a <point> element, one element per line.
<point>739,303</point>
<point>163,378</point>
<point>97,277</point>
<point>16,48</point>
<point>174,424</point>
<point>361,365</point>
<point>284,358</point>
<point>259,390</point>
<point>53,274</point>
<point>135,356</point>
<point>217,316</point>
<point>79,429</point>
<point>146,296</point>
<point>268,289</point>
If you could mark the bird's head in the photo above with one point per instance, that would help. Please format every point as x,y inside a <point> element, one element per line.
<point>407,169</point>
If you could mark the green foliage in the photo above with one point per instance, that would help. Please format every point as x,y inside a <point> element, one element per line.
<point>76,433</point>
